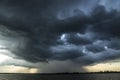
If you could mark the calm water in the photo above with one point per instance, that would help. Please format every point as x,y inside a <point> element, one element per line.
<point>110,76</point>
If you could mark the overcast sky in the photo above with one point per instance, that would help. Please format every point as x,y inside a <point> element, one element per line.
<point>59,35</point>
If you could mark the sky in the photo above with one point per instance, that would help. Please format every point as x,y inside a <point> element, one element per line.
<point>54,36</point>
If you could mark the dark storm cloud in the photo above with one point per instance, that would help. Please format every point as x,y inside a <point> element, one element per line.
<point>37,22</point>
<point>60,66</point>
<point>105,30</point>
<point>106,22</point>
<point>91,58</point>
<point>77,39</point>
<point>66,52</point>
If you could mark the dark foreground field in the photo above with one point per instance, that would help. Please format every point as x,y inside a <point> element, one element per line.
<point>93,76</point>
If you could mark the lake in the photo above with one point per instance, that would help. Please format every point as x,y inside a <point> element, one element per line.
<point>98,76</point>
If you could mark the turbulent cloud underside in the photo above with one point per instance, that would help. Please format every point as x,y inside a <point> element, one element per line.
<point>60,31</point>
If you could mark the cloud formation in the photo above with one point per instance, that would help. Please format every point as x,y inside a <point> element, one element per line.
<point>60,30</point>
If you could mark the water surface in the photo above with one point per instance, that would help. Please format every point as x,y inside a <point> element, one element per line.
<point>100,76</point>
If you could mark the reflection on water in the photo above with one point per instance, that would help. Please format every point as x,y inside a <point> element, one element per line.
<point>105,76</point>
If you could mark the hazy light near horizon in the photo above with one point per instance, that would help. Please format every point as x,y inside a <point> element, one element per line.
<point>17,69</point>
<point>3,58</point>
<point>5,55</point>
<point>109,66</point>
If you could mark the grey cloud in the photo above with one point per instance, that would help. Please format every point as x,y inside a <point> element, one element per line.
<point>60,66</point>
<point>36,29</point>
<point>66,52</point>
<point>99,57</point>
<point>78,39</point>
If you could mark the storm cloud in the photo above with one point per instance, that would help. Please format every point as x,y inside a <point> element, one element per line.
<point>60,30</point>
